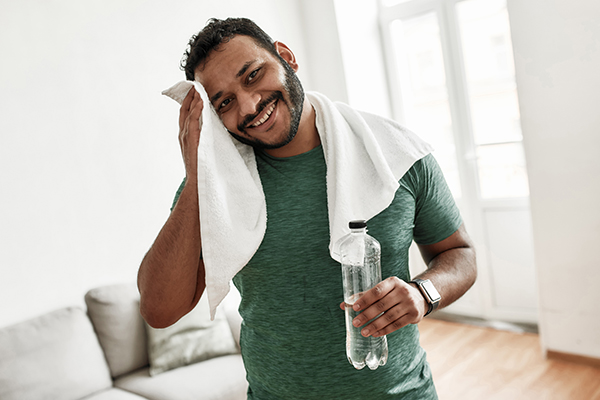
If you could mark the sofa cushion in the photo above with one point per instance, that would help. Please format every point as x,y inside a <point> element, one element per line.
<point>221,378</point>
<point>114,394</point>
<point>230,306</point>
<point>54,356</point>
<point>115,313</point>
<point>192,339</point>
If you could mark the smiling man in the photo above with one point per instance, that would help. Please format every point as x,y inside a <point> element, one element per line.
<point>270,121</point>
<point>258,96</point>
<point>293,331</point>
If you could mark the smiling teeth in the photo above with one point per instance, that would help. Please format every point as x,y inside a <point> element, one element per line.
<point>266,117</point>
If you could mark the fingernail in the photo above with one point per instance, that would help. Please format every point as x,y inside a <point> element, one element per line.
<point>356,307</point>
<point>365,332</point>
<point>356,322</point>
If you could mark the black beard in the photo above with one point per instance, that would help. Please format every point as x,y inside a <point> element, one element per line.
<point>295,93</point>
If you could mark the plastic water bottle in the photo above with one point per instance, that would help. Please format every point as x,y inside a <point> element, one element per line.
<point>360,256</point>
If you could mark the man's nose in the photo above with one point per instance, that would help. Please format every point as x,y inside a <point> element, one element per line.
<point>248,102</point>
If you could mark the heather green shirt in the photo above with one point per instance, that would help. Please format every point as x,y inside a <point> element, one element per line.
<point>293,332</point>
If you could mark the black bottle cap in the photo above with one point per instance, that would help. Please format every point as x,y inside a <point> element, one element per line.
<point>358,224</point>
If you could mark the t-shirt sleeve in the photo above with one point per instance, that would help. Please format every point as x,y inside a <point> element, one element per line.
<point>436,215</point>
<point>178,194</point>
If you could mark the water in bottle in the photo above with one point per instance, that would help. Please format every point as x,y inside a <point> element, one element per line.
<point>360,256</point>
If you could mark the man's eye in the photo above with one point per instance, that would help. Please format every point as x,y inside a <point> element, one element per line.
<point>253,74</point>
<point>224,103</point>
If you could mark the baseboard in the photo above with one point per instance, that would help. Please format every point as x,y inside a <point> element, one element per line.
<point>476,321</point>
<point>573,358</point>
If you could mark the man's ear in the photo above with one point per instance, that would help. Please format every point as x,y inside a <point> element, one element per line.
<point>287,55</point>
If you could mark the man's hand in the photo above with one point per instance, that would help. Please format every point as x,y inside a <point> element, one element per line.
<point>189,132</point>
<point>451,266</point>
<point>398,302</point>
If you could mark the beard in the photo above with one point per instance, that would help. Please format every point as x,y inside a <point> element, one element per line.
<point>295,105</point>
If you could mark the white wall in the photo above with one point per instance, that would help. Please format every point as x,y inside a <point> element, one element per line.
<point>89,159</point>
<point>324,57</point>
<point>557,59</point>
<point>362,54</point>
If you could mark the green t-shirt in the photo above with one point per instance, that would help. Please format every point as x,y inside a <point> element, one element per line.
<point>293,335</point>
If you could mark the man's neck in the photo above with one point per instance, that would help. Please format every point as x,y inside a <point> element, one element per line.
<point>305,140</point>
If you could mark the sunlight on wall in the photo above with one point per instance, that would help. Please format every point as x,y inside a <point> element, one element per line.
<point>362,55</point>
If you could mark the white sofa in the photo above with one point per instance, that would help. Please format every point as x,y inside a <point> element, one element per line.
<point>102,354</point>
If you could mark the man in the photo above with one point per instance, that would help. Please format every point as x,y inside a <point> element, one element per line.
<point>293,332</point>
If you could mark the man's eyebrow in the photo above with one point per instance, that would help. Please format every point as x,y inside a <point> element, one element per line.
<point>245,68</point>
<point>216,97</point>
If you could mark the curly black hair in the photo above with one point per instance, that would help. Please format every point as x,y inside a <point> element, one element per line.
<point>218,31</point>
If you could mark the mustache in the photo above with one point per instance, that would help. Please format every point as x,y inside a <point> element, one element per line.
<point>249,118</point>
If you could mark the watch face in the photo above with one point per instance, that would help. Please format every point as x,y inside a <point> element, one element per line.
<point>431,291</point>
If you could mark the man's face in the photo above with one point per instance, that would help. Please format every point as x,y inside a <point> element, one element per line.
<point>257,96</point>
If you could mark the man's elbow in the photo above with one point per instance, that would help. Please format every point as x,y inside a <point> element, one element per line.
<point>472,269</point>
<point>157,318</point>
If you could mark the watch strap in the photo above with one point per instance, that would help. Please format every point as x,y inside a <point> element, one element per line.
<point>433,304</point>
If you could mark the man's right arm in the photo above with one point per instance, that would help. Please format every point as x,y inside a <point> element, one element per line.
<point>171,277</point>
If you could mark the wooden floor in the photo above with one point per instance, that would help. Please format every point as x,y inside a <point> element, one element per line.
<point>470,362</point>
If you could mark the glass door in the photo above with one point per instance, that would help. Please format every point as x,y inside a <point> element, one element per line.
<point>492,94</point>
<point>452,81</point>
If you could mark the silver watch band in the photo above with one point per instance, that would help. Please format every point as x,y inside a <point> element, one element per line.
<point>429,292</point>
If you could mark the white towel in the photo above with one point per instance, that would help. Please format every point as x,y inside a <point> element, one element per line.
<point>233,213</point>
<point>366,155</point>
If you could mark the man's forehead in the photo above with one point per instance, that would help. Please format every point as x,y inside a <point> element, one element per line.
<point>229,56</point>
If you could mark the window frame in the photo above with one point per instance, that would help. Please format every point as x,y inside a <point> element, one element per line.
<point>457,89</point>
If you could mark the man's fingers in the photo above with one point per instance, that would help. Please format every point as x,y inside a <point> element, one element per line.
<point>378,308</point>
<point>375,294</point>
<point>185,106</point>
<point>190,111</point>
<point>195,111</point>
<point>397,316</point>
<point>394,325</point>
<point>389,306</point>
<point>190,124</point>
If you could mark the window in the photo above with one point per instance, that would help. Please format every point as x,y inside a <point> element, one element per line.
<point>492,92</point>
<point>449,76</point>
<point>453,82</point>
<point>423,90</point>
<point>388,3</point>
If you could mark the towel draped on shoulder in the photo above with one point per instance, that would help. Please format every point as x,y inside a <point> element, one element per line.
<point>366,155</point>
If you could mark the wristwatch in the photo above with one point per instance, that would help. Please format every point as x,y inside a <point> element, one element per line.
<point>430,293</point>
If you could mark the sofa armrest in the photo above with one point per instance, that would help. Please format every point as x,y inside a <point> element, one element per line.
<point>53,356</point>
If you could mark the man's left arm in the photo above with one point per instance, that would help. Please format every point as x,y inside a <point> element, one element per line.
<point>451,267</point>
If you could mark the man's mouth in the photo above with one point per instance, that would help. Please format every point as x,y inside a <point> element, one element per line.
<point>266,116</point>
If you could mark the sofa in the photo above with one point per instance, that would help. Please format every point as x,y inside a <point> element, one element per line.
<point>108,352</point>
